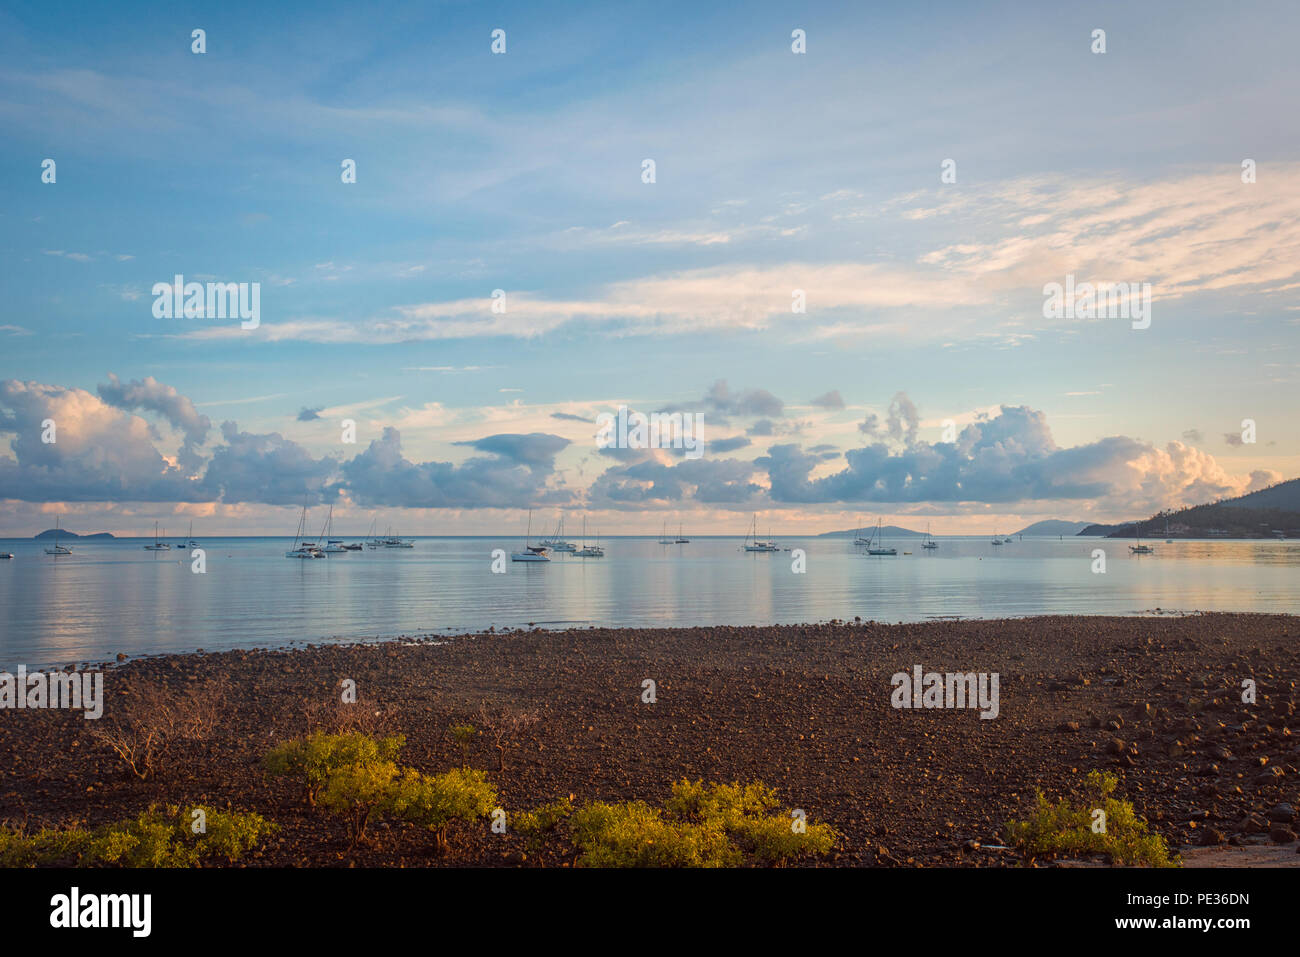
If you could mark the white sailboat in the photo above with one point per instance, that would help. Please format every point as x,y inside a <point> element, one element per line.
<point>929,539</point>
<point>531,553</point>
<point>157,546</point>
<point>753,543</point>
<point>333,546</point>
<point>1139,548</point>
<point>877,544</point>
<point>303,549</point>
<point>589,551</point>
<point>663,536</point>
<point>996,539</point>
<point>189,539</point>
<point>859,541</point>
<point>556,542</point>
<point>394,541</point>
<point>58,549</point>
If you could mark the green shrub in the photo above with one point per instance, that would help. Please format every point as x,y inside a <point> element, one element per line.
<point>357,792</point>
<point>60,846</point>
<point>713,825</point>
<point>541,821</point>
<point>434,801</point>
<point>315,758</point>
<point>358,779</point>
<point>157,837</point>
<point>1065,828</point>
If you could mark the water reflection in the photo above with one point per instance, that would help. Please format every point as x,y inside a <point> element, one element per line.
<point>110,597</point>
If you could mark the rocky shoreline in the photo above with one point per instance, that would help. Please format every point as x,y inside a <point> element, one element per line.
<point>805,709</point>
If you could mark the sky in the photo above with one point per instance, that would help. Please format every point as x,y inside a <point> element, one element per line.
<point>919,175</point>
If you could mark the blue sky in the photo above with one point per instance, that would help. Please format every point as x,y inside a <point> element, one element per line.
<point>522,172</point>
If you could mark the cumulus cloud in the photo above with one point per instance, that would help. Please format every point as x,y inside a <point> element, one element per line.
<point>829,400</point>
<point>728,444</point>
<point>901,422</point>
<point>100,452</point>
<point>536,450</point>
<point>720,403</point>
<point>710,481</point>
<point>148,394</point>
<point>266,468</point>
<point>1005,458</point>
<point>515,475</point>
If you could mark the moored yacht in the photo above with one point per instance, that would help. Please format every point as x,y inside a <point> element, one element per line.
<point>333,546</point>
<point>1139,548</point>
<point>876,544</point>
<point>589,551</point>
<point>303,549</point>
<point>556,542</point>
<point>157,546</point>
<point>531,553</point>
<point>753,543</point>
<point>58,549</point>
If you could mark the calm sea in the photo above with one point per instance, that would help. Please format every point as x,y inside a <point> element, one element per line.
<point>110,597</point>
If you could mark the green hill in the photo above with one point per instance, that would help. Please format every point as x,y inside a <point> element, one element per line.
<point>64,533</point>
<point>1273,512</point>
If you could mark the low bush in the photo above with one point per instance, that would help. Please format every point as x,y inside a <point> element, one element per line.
<point>1065,829</point>
<point>315,758</point>
<point>157,837</point>
<point>357,778</point>
<point>435,800</point>
<point>700,825</point>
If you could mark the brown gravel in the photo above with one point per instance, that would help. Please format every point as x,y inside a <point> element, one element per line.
<point>802,708</point>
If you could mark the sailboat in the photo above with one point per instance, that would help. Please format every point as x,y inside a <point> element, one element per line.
<point>157,546</point>
<point>877,544</point>
<point>58,549</point>
<point>333,546</point>
<point>303,549</point>
<point>753,543</point>
<point>556,542</point>
<point>859,541</point>
<point>1139,548</point>
<point>395,541</point>
<point>929,539</point>
<point>589,551</point>
<point>531,553</point>
<point>996,539</point>
<point>663,537</point>
<point>1168,540</point>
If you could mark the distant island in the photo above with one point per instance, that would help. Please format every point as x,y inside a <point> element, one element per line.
<point>888,531</point>
<point>64,533</point>
<point>1054,526</point>
<point>1273,512</point>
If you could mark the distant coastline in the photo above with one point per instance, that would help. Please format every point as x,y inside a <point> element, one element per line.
<point>64,533</point>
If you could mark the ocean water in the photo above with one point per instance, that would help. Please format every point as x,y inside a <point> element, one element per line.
<point>110,597</point>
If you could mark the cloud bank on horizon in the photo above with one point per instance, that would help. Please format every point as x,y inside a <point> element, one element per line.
<point>111,447</point>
